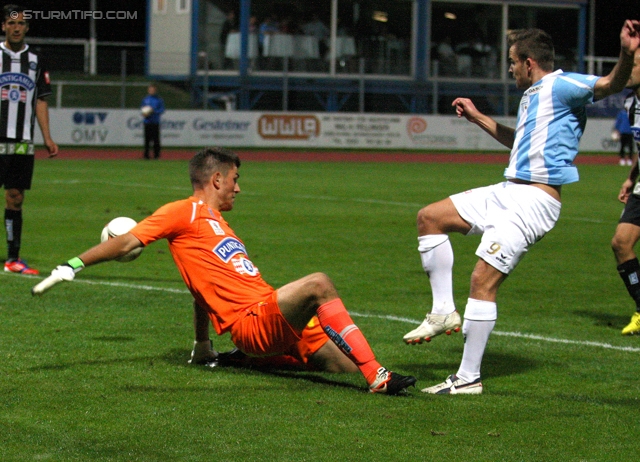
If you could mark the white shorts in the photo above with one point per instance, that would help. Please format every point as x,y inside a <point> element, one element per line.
<point>511,217</point>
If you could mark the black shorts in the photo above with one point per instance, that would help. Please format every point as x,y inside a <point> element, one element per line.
<point>631,213</point>
<point>16,170</point>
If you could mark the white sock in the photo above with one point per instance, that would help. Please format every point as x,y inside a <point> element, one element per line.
<point>436,254</point>
<point>476,334</point>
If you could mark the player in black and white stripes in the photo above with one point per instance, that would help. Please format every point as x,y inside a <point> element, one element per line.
<point>24,83</point>
<point>628,230</point>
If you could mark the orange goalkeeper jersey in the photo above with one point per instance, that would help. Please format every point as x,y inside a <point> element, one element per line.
<point>211,259</point>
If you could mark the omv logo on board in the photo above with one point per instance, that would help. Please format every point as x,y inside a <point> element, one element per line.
<point>89,118</point>
<point>91,128</point>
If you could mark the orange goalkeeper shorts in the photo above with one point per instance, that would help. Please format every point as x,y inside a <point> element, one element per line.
<point>264,331</point>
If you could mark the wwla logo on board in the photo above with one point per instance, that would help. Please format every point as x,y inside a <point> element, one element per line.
<point>288,127</point>
<point>90,127</point>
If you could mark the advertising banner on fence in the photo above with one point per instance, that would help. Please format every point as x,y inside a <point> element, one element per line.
<point>115,127</point>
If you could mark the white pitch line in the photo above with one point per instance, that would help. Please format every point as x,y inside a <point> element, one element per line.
<point>119,184</point>
<point>133,286</point>
<point>569,342</point>
<point>607,346</point>
<point>106,283</point>
<point>413,205</point>
<point>541,338</point>
<point>360,201</point>
<point>587,220</point>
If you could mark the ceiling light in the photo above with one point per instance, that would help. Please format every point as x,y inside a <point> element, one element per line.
<point>380,16</point>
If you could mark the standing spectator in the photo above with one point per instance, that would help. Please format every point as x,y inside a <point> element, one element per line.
<point>288,26</point>
<point>628,230</point>
<point>253,24</point>
<point>316,28</point>
<point>230,25</point>
<point>269,26</point>
<point>152,107</point>
<point>622,132</point>
<point>513,215</point>
<point>25,84</point>
<point>446,57</point>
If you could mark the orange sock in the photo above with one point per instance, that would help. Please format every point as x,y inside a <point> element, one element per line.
<point>339,326</point>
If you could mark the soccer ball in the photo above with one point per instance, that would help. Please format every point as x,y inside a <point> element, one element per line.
<point>117,227</point>
<point>146,111</point>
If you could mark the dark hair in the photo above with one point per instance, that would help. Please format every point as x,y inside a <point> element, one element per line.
<point>208,161</point>
<point>11,8</point>
<point>535,44</point>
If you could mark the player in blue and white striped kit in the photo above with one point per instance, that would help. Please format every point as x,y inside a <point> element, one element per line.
<point>515,214</point>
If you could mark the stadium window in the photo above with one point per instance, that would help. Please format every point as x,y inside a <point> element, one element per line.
<point>301,37</point>
<point>160,6</point>
<point>560,23</point>
<point>183,6</point>
<point>380,33</point>
<point>466,40</point>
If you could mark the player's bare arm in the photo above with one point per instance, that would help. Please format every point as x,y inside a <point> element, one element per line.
<point>629,183</point>
<point>110,249</point>
<point>503,134</point>
<point>619,75</point>
<point>42,114</point>
<point>625,191</point>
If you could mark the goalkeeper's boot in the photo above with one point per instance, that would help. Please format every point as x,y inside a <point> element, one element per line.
<point>233,357</point>
<point>236,358</point>
<point>391,383</point>
<point>433,325</point>
<point>20,266</point>
<point>455,386</point>
<point>633,328</point>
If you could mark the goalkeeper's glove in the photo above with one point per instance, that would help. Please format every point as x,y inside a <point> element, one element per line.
<point>65,272</point>
<point>204,354</point>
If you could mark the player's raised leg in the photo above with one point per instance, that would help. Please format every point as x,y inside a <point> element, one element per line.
<point>436,254</point>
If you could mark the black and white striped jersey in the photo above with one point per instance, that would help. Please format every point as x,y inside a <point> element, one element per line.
<point>632,105</point>
<point>22,81</point>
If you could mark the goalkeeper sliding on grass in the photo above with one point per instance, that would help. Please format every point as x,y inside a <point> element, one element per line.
<point>298,319</point>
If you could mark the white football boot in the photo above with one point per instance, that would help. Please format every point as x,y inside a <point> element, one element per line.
<point>455,386</point>
<point>433,325</point>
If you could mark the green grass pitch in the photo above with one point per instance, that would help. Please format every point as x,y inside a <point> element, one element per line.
<point>97,369</point>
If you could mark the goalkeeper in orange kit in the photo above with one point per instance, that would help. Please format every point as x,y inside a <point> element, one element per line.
<point>305,319</point>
